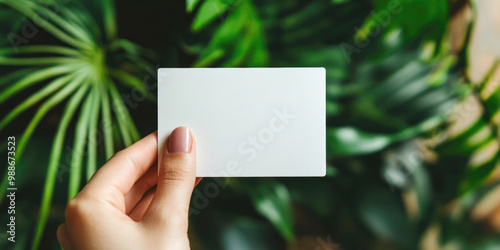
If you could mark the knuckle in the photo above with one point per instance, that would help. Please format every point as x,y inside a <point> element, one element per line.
<point>60,233</point>
<point>116,155</point>
<point>76,210</point>
<point>174,174</point>
<point>144,186</point>
<point>151,180</point>
<point>175,168</point>
<point>126,157</point>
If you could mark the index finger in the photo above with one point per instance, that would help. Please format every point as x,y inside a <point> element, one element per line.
<point>125,167</point>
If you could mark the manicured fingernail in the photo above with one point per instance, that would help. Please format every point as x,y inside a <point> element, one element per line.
<point>179,141</point>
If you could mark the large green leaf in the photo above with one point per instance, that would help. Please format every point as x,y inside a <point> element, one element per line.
<point>412,18</point>
<point>272,200</point>
<point>238,41</point>
<point>351,141</point>
<point>385,216</point>
<point>209,10</point>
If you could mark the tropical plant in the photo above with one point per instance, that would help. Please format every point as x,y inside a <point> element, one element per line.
<point>388,102</point>
<point>85,70</point>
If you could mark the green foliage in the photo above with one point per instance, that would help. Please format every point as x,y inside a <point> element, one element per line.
<point>78,71</point>
<point>380,96</point>
<point>272,200</point>
<point>385,216</point>
<point>413,19</point>
<point>238,41</point>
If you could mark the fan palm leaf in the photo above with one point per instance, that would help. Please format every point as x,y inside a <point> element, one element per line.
<point>78,74</point>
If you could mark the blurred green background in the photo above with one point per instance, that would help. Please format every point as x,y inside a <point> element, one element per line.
<point>413,101</point>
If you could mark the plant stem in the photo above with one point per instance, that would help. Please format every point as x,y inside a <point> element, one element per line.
<point>120,114</point>
<point>43,49</point>
<point>106,124</point>
<point>37,61</point>
<point>34,78</point>
<point>93,132</point>
<point>55,156</point>
<point>81,130</point>
<point>21,6</point>
<point>39,95</point>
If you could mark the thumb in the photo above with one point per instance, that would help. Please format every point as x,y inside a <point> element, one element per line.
<point>176,179</point>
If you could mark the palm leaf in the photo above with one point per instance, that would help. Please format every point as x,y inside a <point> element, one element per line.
<point>35,98</point>
<point>76,66</point>
<point>23,6</point>
<point>55,156</point>
<point>34,78</point>
<point>93,133</point>
<point>81,132</point>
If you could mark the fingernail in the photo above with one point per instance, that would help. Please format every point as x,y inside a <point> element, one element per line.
<point>179,141</point>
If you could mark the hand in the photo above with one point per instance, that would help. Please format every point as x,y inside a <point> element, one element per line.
<point>120,208</point>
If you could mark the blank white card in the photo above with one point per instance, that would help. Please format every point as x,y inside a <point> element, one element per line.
<point>247,121</point>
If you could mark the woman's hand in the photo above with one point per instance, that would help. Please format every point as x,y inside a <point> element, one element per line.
<point>131,203</point>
